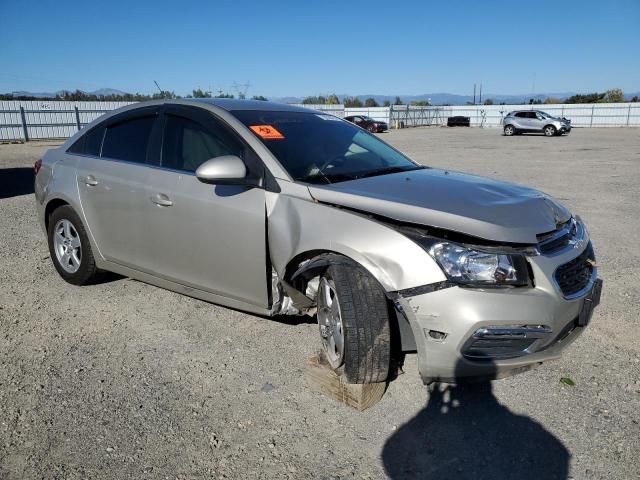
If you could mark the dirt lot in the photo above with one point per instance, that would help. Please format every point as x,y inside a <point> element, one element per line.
<point>125,380</point>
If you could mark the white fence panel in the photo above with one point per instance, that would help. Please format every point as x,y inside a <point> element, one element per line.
<point>43,119</point>
<point>336,110</point>
<point>58,119</point>
<point>581,115</point>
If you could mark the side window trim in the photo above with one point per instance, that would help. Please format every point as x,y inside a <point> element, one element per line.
<point>154,111</point>
<point>200,116</point>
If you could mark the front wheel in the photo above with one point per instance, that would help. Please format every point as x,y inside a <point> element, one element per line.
<point>509,130</point>
<point>353,317</point>
<point>549,131</point>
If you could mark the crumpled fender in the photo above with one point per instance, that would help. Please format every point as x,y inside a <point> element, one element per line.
<point>297,224</point>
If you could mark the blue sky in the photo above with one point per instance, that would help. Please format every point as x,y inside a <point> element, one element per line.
<point>319,47</point>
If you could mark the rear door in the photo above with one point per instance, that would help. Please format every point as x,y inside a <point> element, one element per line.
<point>112,185</point>
<point>521,120</point>
<point>211,237</point>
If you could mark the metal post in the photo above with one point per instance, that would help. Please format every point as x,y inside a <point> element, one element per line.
<point>592,109</point>
<point>628,114</point>
<point>77,118</point>
<point>24,124</point>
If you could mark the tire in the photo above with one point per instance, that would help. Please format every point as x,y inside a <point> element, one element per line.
<point>69,247</point>
<point>549,131</point>
<point>363,322</point>
<point>509,130</point>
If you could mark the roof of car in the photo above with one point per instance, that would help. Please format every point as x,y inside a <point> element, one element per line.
<point>231,104</point>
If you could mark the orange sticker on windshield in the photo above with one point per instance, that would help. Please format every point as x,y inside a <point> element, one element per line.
<point>267,132</point>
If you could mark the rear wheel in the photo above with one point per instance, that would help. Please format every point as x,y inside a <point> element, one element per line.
<point>549,131</point>
<point>353,318</point>
<point>509,130</point>
<point>69,247</point>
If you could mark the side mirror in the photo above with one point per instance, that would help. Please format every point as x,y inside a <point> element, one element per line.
<point>224,170</point>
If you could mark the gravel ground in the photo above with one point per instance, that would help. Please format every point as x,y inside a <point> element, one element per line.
<point>125,380</point>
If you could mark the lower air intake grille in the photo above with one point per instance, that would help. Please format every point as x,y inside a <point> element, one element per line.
<point>574,276</point>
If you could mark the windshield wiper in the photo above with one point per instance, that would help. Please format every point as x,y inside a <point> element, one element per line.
<point>385,171</point>
<point>326,178</point>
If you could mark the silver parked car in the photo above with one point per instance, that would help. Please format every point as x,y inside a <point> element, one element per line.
<point>275,209</point>
<point>535,121</point>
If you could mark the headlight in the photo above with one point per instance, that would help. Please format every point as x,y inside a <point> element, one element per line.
<point>465,265</point>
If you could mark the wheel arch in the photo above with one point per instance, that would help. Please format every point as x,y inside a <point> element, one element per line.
<point>312,263</point>
<point>52,205</point>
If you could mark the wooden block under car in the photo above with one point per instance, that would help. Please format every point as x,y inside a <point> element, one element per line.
<point>323,379</point>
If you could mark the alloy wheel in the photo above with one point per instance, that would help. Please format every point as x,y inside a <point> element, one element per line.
<point>67,246</point>
<point>330,322</point>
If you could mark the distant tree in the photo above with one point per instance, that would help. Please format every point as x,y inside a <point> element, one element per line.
<point>224,95</point>
<point>260,97</point>
<point>551,100</point>
<point>615,95</point>
<point>398,101</point>
<point>586,98</point>
<point>387,103</point>
<point>352,102</point>
<point>164,94</point>
<point>371,102</point>
<point>333,99</point>
<point>635,98</point>
<point>420,103</point>
<point>199,93</point>
<point>488,101</point>
<point>319,100</point>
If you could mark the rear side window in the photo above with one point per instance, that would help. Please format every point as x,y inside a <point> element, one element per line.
<point>187,144</point>
<point>521,114</point>
<point>89,143</point>
<point>128,140</point>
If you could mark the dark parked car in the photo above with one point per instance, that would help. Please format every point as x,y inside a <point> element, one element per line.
<point>368,123</point>
<point>458,121</point>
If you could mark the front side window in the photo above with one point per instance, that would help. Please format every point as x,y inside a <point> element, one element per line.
<point>319,148</point>
<point>128,140</point>
<point>187,144</point>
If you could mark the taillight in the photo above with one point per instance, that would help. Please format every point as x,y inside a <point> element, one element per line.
<point>37,166</point>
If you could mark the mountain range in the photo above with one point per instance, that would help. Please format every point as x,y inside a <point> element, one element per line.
<point>434,98</point>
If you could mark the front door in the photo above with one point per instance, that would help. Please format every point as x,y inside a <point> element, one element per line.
<point>210,237</point>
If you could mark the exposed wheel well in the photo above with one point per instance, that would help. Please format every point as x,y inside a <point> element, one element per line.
<point>51,207</point>
<point>318,261</point>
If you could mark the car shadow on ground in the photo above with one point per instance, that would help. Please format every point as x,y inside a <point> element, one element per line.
<point>15,182</point>
<point>465,433</point>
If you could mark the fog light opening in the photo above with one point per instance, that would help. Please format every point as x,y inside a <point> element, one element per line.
<point>436,335</point>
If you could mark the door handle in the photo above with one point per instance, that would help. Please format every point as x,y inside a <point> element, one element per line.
<point>162,200</point>
<point>90,181</point>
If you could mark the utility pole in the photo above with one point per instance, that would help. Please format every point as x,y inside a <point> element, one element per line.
<point>480,102</point>
<point>474,93</point>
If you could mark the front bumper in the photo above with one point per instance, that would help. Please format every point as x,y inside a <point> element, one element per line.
<point>446,322</point>
<point>565,129</point>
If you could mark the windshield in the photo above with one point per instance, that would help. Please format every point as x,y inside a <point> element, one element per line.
<point>318,148</point>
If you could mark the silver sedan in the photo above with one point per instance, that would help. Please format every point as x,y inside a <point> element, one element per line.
<point>275,209</point>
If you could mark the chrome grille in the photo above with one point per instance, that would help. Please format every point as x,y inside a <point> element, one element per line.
<point>559,239</point>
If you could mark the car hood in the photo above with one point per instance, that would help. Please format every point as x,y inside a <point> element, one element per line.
<point>470,204</point>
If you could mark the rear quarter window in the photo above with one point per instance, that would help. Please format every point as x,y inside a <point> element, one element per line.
<point>89,143</point>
